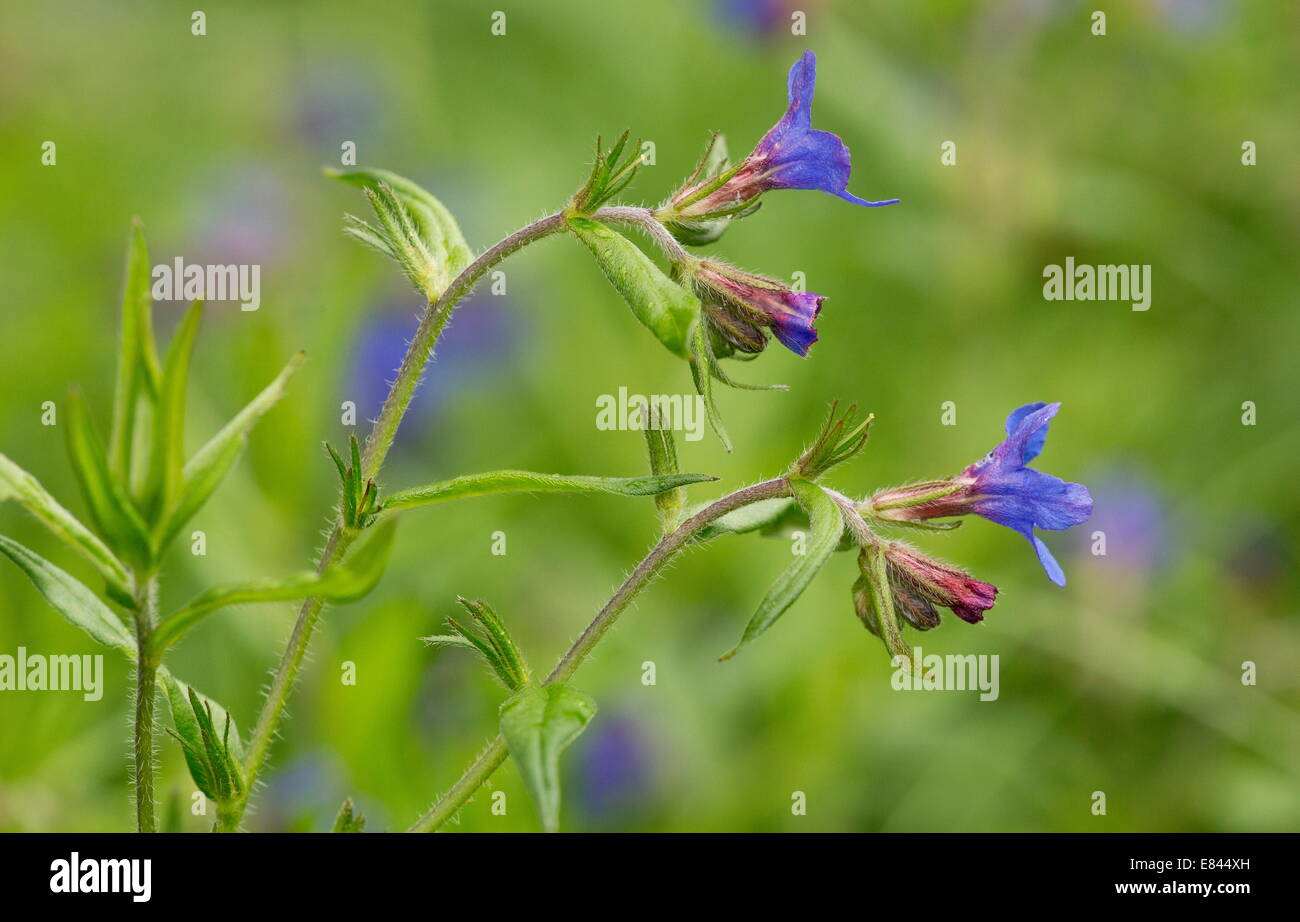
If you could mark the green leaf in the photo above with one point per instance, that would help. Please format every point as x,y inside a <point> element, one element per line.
<point>492,642</point>
<point>529,482</point>
<point>348,820</point>
<point>137,360</point>
<point>70,597</point>
<point>436,224</point>
<point>347,581</point>
<point>111,508</point>
<point>204,472</point>
<point>196,490</point>
<point>666,309</point>
<point>208,737</point>
<point>662,448</point>
<point>702,361</point>
<point>166,459</point>
<point>538,723</point>
<point>217,446</point>
<point>872,587</point>
<point>826,525</point>
<point>18,485</point>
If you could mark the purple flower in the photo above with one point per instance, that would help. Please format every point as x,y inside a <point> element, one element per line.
<point>793,155</point>
<point>741,306</point>
<point>1001,489</point>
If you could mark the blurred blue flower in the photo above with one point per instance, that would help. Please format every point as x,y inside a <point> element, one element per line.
<point>481,334</point>
<point>246,217</point>
<point>615,766</point>
<point>757,17</point>
<point>336,101</point>
<point>1133,517</point>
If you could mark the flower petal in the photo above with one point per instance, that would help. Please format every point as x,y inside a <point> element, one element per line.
<point>799,89</point>
<point>794,328</point>
<point>1054,571</point>
<point>1026,433</point>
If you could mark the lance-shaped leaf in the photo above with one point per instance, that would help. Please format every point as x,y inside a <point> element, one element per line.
<point>348,819</point>
<point>22,487</point>
<point>347,581</point>
<point>662,448</point>
<point>529,482</point>
<point>435,223</point>
<point>702,361</point>
<point>826,526</point>
<point>665,308</point>
<point>70,597</point>
<point>243,421</point>
<point>538,723</point>
<point>111,508</point>
<point>204,472</point>
<point>166,459</point>
<point>208,737</point>
<point>137,360</point>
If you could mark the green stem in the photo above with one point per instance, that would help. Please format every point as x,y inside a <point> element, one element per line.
<point>432,323</point>
<point>649,567</point>
<point>146,686</point>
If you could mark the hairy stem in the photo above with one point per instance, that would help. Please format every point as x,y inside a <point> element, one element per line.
<point>380,440</point>
<point>644,218</point>
<point>645,572</point>
<point>146,686</point>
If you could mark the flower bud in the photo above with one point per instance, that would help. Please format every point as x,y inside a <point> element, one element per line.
<point>920,583</point>
<point>740,307</point>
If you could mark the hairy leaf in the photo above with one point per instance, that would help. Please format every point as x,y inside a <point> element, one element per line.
<point>168,452</point>
<point>348,819</point>
<point>211,453</point>
<point>668,310</point>
<point>111,507</point>
<point>208,737</point>
<point>137,361</point>
<point>529,482</point>
<point>436,224</point>
<point>70,597</point>
<point>826,525</point>
<point>18,485</point>
<point>347,581</point>
<point>538,723</point>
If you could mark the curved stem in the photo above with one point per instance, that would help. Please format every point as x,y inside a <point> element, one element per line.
<point>644,218</point>
<point>380,440</point>
<point>646,570</point>
<point>146,685</point>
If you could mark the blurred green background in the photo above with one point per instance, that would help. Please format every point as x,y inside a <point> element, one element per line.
<point>1117,149</point>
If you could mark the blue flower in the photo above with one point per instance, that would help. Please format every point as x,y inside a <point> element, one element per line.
<point>792,155</point>
<point>1001,488</point>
